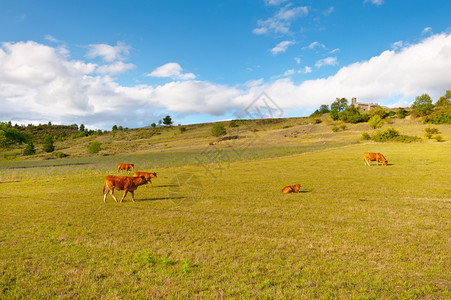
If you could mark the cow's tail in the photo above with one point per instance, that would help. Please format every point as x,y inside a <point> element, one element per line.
<point>103,190</point>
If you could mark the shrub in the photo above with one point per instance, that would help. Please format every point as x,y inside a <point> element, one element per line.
<point>182,129</point>
<point>233,123</point>
<point>392,135</point>
<point>366,136</point>
<point>352,115</point>
<point>343,127</point>
<point>429,131</point>
<point>440,116</point>
<point>94,147</point>
<point>29,149</point>
<point>335,129</point>
<point>60,154</point>
<point>379,111</point>
<point>376,121</point>
<point>402,113</point>
<point>438,138</point>
<point>218,130</point>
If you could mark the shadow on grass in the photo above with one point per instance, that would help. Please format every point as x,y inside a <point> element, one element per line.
<point>160,198</point>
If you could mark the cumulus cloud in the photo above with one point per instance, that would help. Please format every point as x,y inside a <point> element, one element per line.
<point>115,68</point>
<point>314,45</point>
<point>107,52</point>
<point>38,82</point>
<point>281,21</point>
<point>281,47</point>
<point>171,70</point>
<point>328,61</point>
<point>375,2</point>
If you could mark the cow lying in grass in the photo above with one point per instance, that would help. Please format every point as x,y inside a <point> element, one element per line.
<point>291,189</point>
<point>146,175</point>
<point>377,157</point>
<point>127,184</point>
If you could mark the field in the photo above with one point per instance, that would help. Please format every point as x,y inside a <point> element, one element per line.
<point>223,229</point>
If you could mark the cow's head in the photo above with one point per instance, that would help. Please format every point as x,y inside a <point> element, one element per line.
<point>296,187</point>
<point>153,175</point>
<point>383,160</point>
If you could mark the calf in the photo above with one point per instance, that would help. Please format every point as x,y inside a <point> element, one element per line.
<point>291,189</point>
<point>127,184</point>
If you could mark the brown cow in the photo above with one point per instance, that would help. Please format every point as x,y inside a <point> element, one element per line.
<point>291,189</point>
<point>126,167</point>
<point>127,184</point>
<point>378,157</point>
<point>146,175</point>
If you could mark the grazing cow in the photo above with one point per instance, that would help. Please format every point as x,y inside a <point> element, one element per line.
<point>126,167</point>
<point>146,175</point>
<point>377,157</point>
<point>291,189</point>
<point>127,184</point>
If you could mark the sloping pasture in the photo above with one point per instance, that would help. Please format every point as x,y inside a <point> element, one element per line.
<point>224,229</point>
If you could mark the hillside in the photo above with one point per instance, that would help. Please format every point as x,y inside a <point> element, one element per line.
<point>283,132</point>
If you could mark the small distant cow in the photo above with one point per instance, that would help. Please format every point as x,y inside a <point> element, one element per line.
<point>146,175</point>
<point>127,184</point>
<point>126,167</point>
<point>291,189</point>
<point>377,157</point>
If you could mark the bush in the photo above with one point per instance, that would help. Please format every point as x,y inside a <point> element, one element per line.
<point>60,154</point>
<point>343,127</point>
<point>29,149</point>
<point>440,116</point>
<point>335,129</point>
<point>402,113</point>
<point>392,135</point>
<point>379,111</point>
<point>233,123</point>
<point>376,121</point>
<point>352,115</point>
<point>429,131</point>
<point>366,136</point>
<point>182,129</point>
<point>218,130</point>
<point>438,138</point>
<point>94,147</point>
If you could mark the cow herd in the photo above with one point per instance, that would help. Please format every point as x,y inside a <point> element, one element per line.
<point>130,184</point>
<point>126,183</point>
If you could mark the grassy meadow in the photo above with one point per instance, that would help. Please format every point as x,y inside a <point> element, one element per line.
<point>222,228</point>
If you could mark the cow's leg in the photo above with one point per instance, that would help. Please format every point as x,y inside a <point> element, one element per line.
<point>133,195</point>
<point>105,194</point>
<point>125,194</point>
<point>112,194</point>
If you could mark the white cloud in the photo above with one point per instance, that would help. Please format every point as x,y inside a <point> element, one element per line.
<point>115,68</point>
<point>329,11</point>
<point>107,52</point>
<point>375,2</point>
<point>397,45</point>
<point>427,30</point>
<point>314,45</point>
<point>37,83</point>
<point>328,61</point>
<point>281,47</point>
<point>274,2</point>
<point>281,21</point>
<point>171,70</point>
<point>297,60</point>
<point>336,50</point>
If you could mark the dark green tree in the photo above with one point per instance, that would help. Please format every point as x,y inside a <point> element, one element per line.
<point>94,147</point>
<point>167,121</point>
<point>218,130</point>
<point>47,143</point>
<point>29,149</point>
<point>82,127</point>
<point>339,104</point>
<point>423,105</point>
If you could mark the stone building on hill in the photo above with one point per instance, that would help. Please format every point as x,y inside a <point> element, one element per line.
<point>364,106</point>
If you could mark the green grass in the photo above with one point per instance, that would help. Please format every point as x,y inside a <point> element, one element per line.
<point>353,232</point>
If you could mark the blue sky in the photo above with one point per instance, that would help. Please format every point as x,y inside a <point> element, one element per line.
<point>130,63</point>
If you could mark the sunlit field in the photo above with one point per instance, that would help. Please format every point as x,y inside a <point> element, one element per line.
<point>225,230</point>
